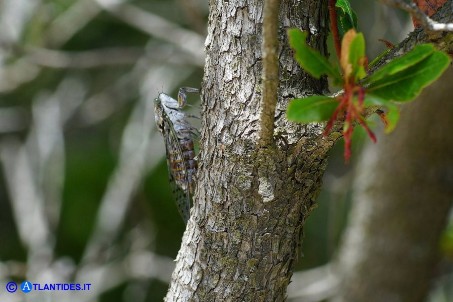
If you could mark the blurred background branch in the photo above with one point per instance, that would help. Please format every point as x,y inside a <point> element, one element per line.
<point>84,195</point>
<point>82,166</point>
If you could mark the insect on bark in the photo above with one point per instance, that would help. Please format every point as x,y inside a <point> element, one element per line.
<point>178,136</point>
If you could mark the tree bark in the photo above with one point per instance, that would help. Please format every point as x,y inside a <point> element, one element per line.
<point>403,193</point>
<point>244,233</point>
<point>250,204</point>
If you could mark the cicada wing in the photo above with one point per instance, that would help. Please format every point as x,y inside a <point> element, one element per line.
<point>178,172</point>
<point>182,198</point>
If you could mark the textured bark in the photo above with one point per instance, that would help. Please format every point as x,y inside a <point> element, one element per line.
<point>250,205</point>
<point>403,194</point>
<point>242,239</point>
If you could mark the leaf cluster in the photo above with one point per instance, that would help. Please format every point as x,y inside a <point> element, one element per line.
<point>401,80</point>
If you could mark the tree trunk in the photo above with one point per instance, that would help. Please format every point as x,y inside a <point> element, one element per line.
<point>242,239</point>
<point>403,194</point>
<point>250,203</point>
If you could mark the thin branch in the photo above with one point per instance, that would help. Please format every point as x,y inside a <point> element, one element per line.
<point>270,71</point>
<point>156,26</point>
<point>317,284</point>
<point>132,166</point>
<point>14,17</point>
<point>443,40</point>
<point>137,264</point>
<point>17,73</point>
<point>416,12</point>
<point>26,201</point>
<point>70,22</point>
<point>84,59</point>
<point>34,171</point>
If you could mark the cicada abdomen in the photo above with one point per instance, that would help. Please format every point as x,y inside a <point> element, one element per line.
<point>178,136</point>
<point>191,165</point>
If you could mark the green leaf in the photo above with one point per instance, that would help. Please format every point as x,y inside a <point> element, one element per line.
<point>373,100</point>
<point>347,18</point>
<point>419,53</point>
<point>407,83</point>
<point>308,58</point>
<point>316,108</point>
<point>393,113</point>
<point>393,116</point>
<point>357,56</point>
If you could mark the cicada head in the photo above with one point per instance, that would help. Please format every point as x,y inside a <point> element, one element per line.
<point>159,115</point>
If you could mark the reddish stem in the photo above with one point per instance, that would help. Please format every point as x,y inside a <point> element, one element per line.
<point>347,133</point>
<point>361,97</point>
<point>387,43</point>
<point>334,116</point>
<point>334,27</point>
<point>368,130</point>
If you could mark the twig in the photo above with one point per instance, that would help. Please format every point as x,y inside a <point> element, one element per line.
<point>124,181</point>
<point>14,16</point>
<point>136,265</point>
<point>70,22</point>
<point>26,201</point>
<point>442,40</point>
<point>270,71</point>
<point>84,59</point>
<point>317,284</point>
<point>416,12</point>
<point>34,172</point>
<point>154,25</point>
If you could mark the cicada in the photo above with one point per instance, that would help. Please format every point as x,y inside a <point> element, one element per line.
<point>178,136</point>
